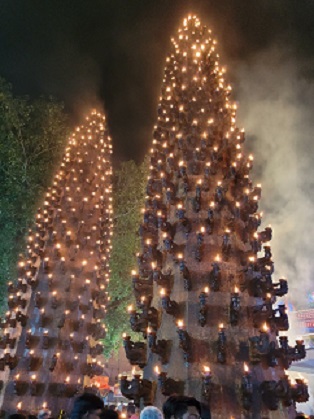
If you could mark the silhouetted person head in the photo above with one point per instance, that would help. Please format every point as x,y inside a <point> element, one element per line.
<point>109,414</point>
<point>17,416</point>
<point>87,406</point>
<point>130,409</point>
<point>151,412</point>
<point>169,404</point>
<point>182,407</point>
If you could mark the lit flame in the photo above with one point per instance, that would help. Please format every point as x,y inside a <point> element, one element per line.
<point>180,324</point>
<point>206,369</point>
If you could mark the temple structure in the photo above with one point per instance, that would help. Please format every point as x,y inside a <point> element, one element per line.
<point>208,306</point>
<point>49,342</point>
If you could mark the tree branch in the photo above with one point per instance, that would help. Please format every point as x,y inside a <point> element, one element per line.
<point>117,303</point>
<point>128,212</point>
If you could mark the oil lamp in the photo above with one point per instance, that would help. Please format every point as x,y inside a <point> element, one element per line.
<point>203,308</point>
<point>170,306</point>
<point>221,345</point>
<point>207,382</point>
<point>234,307</point>
<point>184,342</point>
<point>168,386</point>
<point>246,388</point>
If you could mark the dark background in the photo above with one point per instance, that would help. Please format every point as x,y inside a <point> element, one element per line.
<point>111,53</point>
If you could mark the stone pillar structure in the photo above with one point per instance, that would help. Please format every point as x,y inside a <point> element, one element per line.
<point>207,303</point>
<point>49,337</point>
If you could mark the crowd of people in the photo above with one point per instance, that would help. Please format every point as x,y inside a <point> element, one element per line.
<point>90,406</point>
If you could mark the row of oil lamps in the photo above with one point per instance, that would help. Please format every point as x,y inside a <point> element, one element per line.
<point>261,345</point>
<point>272,392</point>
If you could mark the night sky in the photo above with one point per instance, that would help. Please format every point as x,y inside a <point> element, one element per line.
<point>111,53</point>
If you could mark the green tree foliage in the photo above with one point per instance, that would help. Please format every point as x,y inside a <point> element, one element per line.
<point>128,198</point>
<point>32,136</point>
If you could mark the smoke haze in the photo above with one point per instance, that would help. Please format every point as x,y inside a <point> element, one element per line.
<point>276,102</point>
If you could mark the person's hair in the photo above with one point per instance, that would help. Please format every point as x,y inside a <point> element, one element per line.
<point>170,403</point>
<point>205,411</point>
<point>177,405</point>
<point>151,412</point>
<point>130,409</point>
<point>108,414</point>
<point>112,407</point>
<point>85,403</point>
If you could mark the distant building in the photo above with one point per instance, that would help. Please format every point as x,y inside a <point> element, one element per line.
<point>302,324</point>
